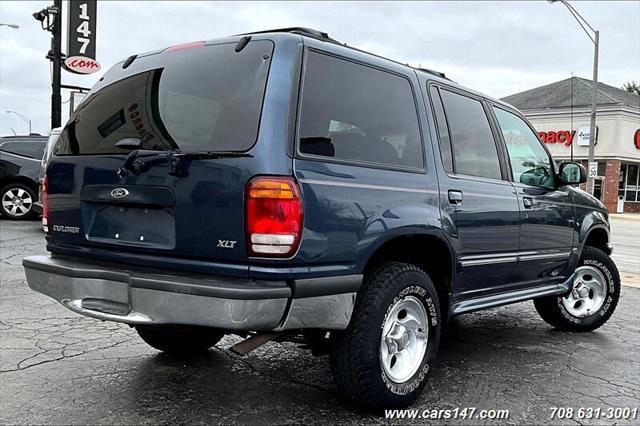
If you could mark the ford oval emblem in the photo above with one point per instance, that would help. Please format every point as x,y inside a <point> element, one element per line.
<point>119,193</point>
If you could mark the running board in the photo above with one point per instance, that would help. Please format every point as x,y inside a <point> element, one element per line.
<point>479,303</point>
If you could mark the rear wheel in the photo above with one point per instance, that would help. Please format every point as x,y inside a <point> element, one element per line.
<point>383,357</point>
<point>593,298</point>
<point>16,201</point>
<point>178,339</point>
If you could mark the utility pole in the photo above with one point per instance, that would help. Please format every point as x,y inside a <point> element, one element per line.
<point>594,36</point>
<point>51,20</point>
<point>56,53</point>
<point>592,124</point>
<point>81,50</point>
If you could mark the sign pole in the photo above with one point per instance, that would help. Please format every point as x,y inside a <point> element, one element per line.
<point>592,124</point>
<point>81,47</point>
<point>56,59</point>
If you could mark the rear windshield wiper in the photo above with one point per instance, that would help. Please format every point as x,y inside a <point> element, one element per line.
<point>179,168</point>
<point>133,163</point>
<point>203,155</point>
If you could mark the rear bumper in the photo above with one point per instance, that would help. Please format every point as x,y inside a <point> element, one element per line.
<point>136,296</point>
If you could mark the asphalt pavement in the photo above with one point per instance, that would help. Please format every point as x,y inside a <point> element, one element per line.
<point>57,367</point>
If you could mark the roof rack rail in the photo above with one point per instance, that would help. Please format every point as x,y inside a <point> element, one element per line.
<point>433,72</point>
<point>308,32</point>
<point>320,35</point>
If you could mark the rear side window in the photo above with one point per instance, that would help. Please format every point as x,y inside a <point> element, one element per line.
<point>443,131</point>
<point>31,149</point>
<point>200,99</point>
<point>474,148</point>
<point>357,113</point>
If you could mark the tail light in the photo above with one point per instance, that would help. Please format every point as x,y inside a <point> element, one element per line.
<point>45,205</point>
<point>274,216</point>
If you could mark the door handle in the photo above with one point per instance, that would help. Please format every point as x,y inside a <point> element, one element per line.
<point>455,197</point>
<point>528,202</point>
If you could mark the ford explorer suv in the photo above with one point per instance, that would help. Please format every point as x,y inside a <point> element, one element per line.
<point>283,186</point>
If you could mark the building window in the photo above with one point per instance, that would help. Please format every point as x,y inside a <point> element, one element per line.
<point>629,187</point>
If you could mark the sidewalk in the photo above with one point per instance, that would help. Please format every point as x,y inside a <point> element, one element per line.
<point>625,216</point>
<point>629,279</point>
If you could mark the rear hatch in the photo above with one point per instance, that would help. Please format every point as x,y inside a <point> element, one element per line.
<point>188,118</point>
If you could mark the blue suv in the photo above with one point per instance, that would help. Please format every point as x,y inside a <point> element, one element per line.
<point>283,186</point>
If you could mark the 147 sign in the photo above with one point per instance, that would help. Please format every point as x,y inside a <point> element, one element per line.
<point>81,37</point>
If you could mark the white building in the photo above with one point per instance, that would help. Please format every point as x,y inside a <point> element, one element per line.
<point>561,112</point>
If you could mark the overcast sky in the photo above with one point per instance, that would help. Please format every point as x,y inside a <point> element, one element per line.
<point>498,48</point>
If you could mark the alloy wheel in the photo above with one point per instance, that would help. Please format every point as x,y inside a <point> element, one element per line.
<point>404,339</point>
<point>588,292</point>
<point>17,202</point>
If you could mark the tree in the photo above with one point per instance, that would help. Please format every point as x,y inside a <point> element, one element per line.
<point>632,87</point>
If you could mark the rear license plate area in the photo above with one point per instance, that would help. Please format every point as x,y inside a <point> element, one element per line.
<point>132,226</point>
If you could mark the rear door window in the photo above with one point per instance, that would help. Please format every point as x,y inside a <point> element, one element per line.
<point>474,149</point>
<point>353,112</point>
<point>200,99</point>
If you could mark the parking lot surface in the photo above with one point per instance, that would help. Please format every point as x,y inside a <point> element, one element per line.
<point>58,367</point>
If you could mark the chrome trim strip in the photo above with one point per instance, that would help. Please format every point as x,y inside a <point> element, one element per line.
<point>487,261</point>
<point>365,186</point>
<point>545,256</point>
<point>494,256</point>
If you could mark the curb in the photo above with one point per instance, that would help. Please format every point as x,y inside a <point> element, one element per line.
<point>630,279</point>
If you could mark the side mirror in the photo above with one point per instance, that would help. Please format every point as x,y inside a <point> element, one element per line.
<point>572,173</point>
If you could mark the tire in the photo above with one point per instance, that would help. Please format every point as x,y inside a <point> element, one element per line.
<point>179,340</point>
<point>16,201</point>
<point>357,355</point>
<point>586,313</point>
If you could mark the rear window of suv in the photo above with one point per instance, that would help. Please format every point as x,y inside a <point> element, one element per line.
<point>201,99</point>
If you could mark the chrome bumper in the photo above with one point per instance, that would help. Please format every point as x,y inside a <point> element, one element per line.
<point>111,293</point>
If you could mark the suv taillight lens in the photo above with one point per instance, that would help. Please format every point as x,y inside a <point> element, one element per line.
<point>45,205</point>
<point>274,216</point>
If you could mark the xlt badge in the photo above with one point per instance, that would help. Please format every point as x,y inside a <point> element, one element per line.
<point>226,243</point>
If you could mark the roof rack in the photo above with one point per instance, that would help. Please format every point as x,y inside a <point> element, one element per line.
<point>321,35</point>
<point>308,32</point>
<point>433,72</point>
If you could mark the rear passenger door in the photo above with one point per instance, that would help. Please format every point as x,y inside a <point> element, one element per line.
<point>547,225</point>
<point>479,206</point>
<point>360,160</point>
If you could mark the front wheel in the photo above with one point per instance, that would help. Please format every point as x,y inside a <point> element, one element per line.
<point>179,340</point>
<point>384,356</point>
<point>595,291</point>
